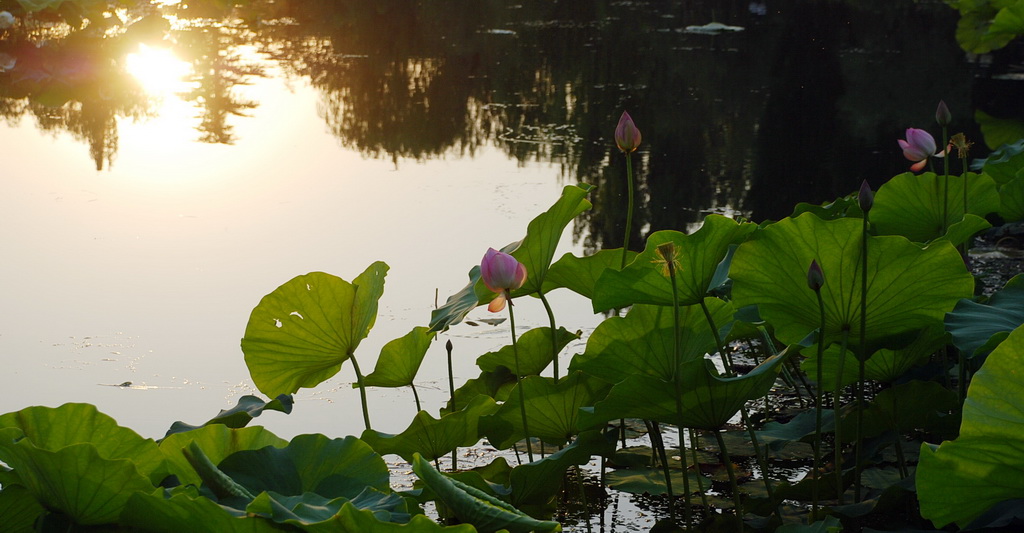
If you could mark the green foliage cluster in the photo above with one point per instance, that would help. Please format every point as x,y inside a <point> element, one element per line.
<point>731,289</point>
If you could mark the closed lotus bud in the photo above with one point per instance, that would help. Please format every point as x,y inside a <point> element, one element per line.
<point>815,277</point>
<point>865,198</point>
<point>942,114</point>
<point>627,136</point>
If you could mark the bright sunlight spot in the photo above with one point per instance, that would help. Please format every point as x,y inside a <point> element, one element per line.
<point>158,70</point>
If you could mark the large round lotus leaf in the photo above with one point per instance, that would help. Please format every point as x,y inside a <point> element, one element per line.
<point>52,428</point>
<point>641,343</point>
<point>473,506</point>
<point>534,350</point>
<point>75,479</point>
<point>310,463</point>
<point>912,205</point>
<point>187,511</point>
<point>19,508</point>
<point>433,437</point>
<point>978,328</point>
<point>400,359</point>
<point>959,480</point>
<point>645,280</point>
<point>300,334</point>
<point>1011,197</point>
<point>580,274</point>
<point>707,400</point>
<point>217,442</point>
<point>909,287</point>
<point>552,409</point>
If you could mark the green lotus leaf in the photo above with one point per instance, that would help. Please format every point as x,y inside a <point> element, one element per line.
<point>699,254</point>
<point>801,428</point>
<point>552,409</point>
<point>486,513</point>
<point>311,509</point>
<point>1005,164</point>
<point>52,428</point>
<point>959,480</point>
<point>828,525</point>
<point>495,385</point>
<point>351,519</point>
<point>1009,20</point>
<point>641,343</point>
<point>537,482</point>
<point>75,479</point>
<point>217,442</point>
<point>650,480</point>
<point>998,131</point>
<point>535,252</point>
<point>185,510</point>
<point>978,328</point>
<point>19,508</point>
<point>913,405</point>
<point>884,365</point>
<point>1011,196</point>
<point>846,206</point>
<point>580,274</point>
<point>909,287</point>
<point>534,348</point>
<point>433,437</point>
<point>708,400</point>
<point>300,334</point>
<point>400,360</point>
<point>543,233</point>
<point>310,463</point>
<point>247,408</point>
<point>964,230</point>
<point>912,205</point>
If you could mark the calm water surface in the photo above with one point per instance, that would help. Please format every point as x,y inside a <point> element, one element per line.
<point>166,167</point>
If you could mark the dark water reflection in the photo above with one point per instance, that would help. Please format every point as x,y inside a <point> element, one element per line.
<point>801,105</point>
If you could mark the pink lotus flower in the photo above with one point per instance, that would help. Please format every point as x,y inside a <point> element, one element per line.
<point>501,273</point>
<point>627,137</point>
<point>919,146</point>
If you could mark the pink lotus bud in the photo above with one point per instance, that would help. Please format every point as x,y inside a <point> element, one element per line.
<point>865,198</point>
<point>815,277</point>
<point>942,114</point>
<point>919,146</point>
<point>501,273</point>
<point>627,137</point>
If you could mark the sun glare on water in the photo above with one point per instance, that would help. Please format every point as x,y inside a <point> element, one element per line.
<point>159,71</point>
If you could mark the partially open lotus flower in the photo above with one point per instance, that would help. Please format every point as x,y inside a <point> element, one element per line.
<point>918,147</point>
<point>502,274</point>
<point>627,136</point>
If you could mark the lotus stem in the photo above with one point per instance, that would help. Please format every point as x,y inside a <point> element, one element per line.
<point>362,389</point>
<point>727,364</point>
<point>629,209</point>
<point>451,387</point>
<point>519,385</point>
<point>554,337</point>
<point>696,464</point>
<point>836,400</point>
<point>859,449</point>
<point>669,255</point>
<point>815,490</point>
<point>415,397</point>
<point>945,181</point>
<point>737,501</point>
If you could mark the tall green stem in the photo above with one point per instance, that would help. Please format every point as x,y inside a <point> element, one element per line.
<point>677,384</point>
<point>858,450</point>
<point>519,385</point>
<point>696,464</point>
<point>629,209</point>
<point>945,181</point>
<point>836,400</point>
<point>727,364</point>
<point>554,335</point>
<point>737,501</point>
<point>362,389</point>
<point>815,490</point>
<point>451,387</point>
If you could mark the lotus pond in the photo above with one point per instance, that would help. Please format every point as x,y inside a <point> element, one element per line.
<point>471,299</point>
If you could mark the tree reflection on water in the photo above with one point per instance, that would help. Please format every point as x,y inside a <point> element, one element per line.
<point>801,105</point>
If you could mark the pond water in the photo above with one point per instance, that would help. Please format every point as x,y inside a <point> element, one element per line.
<point>169,164</point>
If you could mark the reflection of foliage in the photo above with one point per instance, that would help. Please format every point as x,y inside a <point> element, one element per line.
<point>218,69</point>
<point>74,85</point>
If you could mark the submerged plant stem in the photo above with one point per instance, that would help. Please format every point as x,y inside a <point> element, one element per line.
<point>519,385</point>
